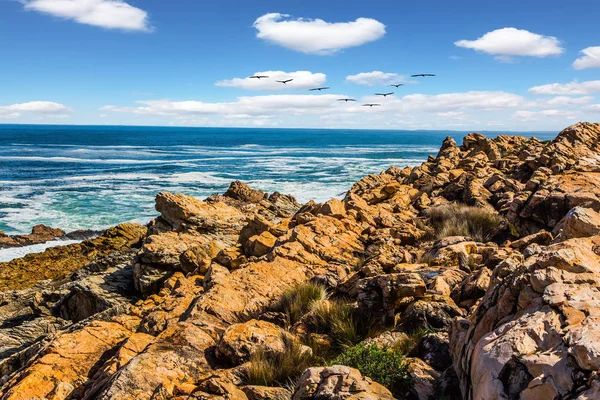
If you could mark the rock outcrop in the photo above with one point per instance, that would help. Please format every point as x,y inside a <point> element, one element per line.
<point>502,305</point>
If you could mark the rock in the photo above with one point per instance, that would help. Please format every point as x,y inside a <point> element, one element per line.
<point>333,208</point>
<point>579,222</point>
<point>435,312</point>
<point>338,382</point>
<point>266,393</point>
<point>39,234</point>
<point>58,262</point>
<point>472,288</point>
<point>531,335</point>
<point>240,191</point>
<point>542,238</point>
<point>241,341</point>
<point>260,245</point>
<point>423,379</point>
<point>385,293</point>
<point>447,386</point>
<point>434,349</point>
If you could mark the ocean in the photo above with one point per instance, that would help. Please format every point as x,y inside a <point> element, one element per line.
<point>93,177</point>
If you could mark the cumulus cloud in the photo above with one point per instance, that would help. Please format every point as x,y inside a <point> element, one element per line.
<point>572,88</point>
<point>33,107</point>
<point>590,58</point>
<point>375,78</point>
<point>301,80</point>
<point>315,36</point>
<point>561,101</point>
<point>507,42</point>
<point>109,14</point>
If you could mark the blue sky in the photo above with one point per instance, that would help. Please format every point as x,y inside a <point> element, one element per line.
<point>508,65</point>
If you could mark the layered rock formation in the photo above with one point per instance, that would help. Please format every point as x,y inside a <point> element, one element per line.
<point>178,309</point>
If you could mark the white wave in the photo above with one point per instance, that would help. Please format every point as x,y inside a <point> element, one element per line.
<point>18,252</point>
<point>92,160</point>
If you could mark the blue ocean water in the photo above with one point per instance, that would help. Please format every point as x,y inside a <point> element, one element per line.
<point>93,177</point>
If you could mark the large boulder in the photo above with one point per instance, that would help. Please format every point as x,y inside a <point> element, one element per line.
<point>579,222</point>
<point>338,383</point>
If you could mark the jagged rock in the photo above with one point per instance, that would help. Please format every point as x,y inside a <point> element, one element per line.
<point>241,341</point>
<point>434,349</point>
<point>423,379</point>
<point>433,312</point>
<point>266,393</point>
<point>447,386</point>
<point>579,222</point>
<point>472,288</point>
<point>58,262</point>
<point>542,238</point>
<point>39,234</point>
<point>531,334</point>
<point>259,245</point>
<point>338,382</point>
<point>240,191</point>
<point>385,293</point>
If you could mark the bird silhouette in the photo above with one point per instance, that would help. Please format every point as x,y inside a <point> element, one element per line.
<point>285,81</point>
<point>423,75</point>
<point>371,105</point>
<point>258,76</point>
<point>346,100</point>
<point>318,88</point>
<point>384,94</point>
<point>397,85</point>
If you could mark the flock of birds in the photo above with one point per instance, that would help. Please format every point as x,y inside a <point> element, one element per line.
<point>396,85</point>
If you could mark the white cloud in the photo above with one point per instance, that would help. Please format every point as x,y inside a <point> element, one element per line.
<point>315,36</point>
<point>593,108</point>
<point>109,14</point>
<point>375,78</point>
<point>247,105</point>
<point>479,100</point>
<point>535,115</point>
<point>35,107</point>
<point>458,115</point>
<point>573,88</point>
<point>561,101</point>
<point>507,42</point>
<point>301,80</point>
<point>590,58</point>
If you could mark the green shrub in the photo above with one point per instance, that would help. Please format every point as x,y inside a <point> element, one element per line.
<point>384,365</point>
<point>268,368</point>
<point>297,301</point>
<point>460,220</point>
<point>336,319</point>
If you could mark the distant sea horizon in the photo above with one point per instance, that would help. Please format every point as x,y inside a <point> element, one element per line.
<point>96,176</point>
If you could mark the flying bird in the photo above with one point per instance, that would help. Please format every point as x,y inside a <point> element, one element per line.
<point>346,100</point>
<point>371,105</point>
<point>384,94</point>
<point>318,88</point>
<point>397,85</point>
<point>285,81</point>
<point>258,76</point>
<point>423,75</point>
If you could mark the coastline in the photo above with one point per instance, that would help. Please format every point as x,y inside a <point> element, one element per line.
<point>474,272</point>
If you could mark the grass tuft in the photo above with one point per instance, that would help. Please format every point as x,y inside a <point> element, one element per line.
<point>297,301</point>
<point>461,220</point>
<point>336,319</point>
<point>269,369</point>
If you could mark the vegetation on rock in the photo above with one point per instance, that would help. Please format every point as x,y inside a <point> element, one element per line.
<point>384,365</point>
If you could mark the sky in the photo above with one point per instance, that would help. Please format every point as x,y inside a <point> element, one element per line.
<point>504,65</point>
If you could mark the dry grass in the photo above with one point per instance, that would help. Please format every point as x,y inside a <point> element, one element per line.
<point>408,341</point>
<point>297,301</point>
<point>268,369</point>
<point>336,319</point>
<point>460,220</point>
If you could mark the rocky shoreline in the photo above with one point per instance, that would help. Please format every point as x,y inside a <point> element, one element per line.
<point>472,276</point>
